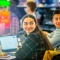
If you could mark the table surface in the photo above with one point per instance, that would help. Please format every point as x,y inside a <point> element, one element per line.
<point>9,57</point>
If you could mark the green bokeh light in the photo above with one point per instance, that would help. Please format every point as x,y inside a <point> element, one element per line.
<point>4,3</point>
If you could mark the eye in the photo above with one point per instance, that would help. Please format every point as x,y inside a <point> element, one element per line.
<point>31,23</point>
<point>56,18</point>
<point>25,23</point>
<point>59,17</point>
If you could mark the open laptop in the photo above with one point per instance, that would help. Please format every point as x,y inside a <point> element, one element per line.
<point>9,43</point>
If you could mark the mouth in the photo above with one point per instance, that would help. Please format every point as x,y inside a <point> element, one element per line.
<point>58,24</point>
<point>29,29</point>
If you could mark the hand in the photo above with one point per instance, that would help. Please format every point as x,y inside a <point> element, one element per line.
<point>45,32</point>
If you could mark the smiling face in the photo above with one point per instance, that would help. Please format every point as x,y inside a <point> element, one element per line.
<point>29,25</point>
<point>56,20</point>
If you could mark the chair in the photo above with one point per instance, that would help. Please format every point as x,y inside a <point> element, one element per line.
<point>52,54</point>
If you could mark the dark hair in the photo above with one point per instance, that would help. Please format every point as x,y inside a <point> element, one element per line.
<point>32,5</point>
<point>57,11</point>
<point>28,15</point>
<point>38,31</point>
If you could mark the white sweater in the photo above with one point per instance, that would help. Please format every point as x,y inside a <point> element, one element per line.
<point>54,37</point>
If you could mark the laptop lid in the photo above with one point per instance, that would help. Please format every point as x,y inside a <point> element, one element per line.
<point>9,42</point>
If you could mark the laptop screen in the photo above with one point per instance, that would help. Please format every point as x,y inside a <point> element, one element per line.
<point>9,42</point>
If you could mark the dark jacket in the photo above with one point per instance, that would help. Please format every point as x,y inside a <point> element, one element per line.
<point>32,47</point>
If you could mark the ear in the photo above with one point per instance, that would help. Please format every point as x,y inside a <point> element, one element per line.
<point>52,20</point>
<point>29,8</point>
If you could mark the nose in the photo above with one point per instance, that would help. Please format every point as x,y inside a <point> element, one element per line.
<point>28,25</point>
<point>58,21</point>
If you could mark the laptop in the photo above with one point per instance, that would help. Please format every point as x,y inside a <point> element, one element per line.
<point>9,43</point>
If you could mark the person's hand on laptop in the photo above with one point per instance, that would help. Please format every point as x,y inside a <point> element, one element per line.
<point>19,45</point>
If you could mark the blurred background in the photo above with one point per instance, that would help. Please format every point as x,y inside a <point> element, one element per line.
<point>10,16</point>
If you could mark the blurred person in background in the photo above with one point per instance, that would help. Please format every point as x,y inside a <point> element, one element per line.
<point>30,8</point>
<point>4,20</point>
<point>14,16</point>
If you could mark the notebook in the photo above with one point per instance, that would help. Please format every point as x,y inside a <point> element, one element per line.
<point>9,42</point>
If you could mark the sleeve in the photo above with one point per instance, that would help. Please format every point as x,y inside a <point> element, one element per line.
<point>49,35</point>
<point>28,48</point>
<point>55,40</point>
